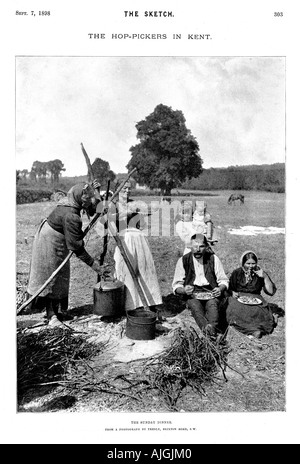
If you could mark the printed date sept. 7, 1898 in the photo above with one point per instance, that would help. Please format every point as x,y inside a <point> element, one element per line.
<point>33,13</point>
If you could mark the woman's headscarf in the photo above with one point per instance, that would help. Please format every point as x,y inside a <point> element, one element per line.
<point>248,273</point>
<point>77,194</point>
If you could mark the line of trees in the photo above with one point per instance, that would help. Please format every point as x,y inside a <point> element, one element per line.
<point>41,170</point>
<point>269,177</point>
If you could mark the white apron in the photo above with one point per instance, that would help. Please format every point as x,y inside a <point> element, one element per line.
<point>142,261</point>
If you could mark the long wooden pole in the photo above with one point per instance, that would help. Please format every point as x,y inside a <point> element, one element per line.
<point>89,166</point>
<point>27,302</point>
<point>124,252</point>
<point>67,258</point>
<point>105,238</point>
<point>102,213</point>
<point>122,246</point>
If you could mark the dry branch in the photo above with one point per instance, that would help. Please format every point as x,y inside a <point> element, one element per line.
<point>191,361</point>
<point>46,356</point>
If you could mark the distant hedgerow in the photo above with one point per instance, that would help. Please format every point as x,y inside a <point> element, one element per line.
<point>32,196</point>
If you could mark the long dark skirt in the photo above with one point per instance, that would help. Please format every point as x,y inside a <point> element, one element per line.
<point>250,318</point>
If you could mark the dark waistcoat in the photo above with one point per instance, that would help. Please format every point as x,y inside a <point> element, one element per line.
<point>209,269</point>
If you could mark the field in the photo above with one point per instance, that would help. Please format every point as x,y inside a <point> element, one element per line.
<point>256,381</point>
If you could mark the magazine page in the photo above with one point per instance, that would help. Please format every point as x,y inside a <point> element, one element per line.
<point>150,235</point>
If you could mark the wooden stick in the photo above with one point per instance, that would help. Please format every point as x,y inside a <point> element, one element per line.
<point>87,229</point>
<point>27,302</point>
<point>89,166</point>
<point>124,252</point>
<point>121,245</point>
<point>105,239</point>
<point>105,229</point>
<point>97,215</point>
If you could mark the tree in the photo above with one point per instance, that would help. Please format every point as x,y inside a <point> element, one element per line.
<point>24,173</point>
<point>39,168</point>
<point>167,154</point>
<point>102,171</point>
<point>32,175</point>
<point>55,168</point>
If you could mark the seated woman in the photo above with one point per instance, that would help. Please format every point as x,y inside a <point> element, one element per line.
<point>245,286</point>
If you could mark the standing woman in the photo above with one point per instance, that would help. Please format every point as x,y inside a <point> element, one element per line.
<point>246,284</point>
<point>56,236</point>
<point>129,224</point>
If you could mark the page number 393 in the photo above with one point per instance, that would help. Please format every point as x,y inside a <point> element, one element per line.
<point>278,13</point>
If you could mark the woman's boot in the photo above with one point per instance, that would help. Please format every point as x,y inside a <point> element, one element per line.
<point>62,314</point>
<point>51,312</point>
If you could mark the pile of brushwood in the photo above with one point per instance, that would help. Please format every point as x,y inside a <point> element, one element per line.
<point>191,361</point>
<point>66,359</point>
<point>44,358</point>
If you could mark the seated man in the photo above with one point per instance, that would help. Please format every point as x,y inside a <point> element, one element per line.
<point>201,271</point>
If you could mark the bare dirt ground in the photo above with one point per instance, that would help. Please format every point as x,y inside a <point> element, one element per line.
<point>255,380</point>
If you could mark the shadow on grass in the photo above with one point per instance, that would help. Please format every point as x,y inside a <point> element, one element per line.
<point>280,312</point>
<point>84,310</point>
<point>172,305</point>
<point>88,310</point>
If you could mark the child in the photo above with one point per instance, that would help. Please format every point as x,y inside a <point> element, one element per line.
<point>197,221</point>
<point>202,222</point>
<point>184,225</point>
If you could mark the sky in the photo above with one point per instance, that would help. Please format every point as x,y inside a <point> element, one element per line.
<point>234,106</point>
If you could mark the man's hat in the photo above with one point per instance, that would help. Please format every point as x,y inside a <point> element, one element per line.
<point>198,236</point>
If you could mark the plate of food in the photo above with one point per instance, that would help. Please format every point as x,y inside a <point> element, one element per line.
<point>203,295</point>
<point>250,300</point>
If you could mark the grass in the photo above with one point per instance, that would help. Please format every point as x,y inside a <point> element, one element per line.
<point>259,384</point>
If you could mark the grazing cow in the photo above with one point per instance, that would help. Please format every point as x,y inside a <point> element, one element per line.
<point>236,196</point>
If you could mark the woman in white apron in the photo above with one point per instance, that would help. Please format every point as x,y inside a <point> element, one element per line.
<point>129,225</point>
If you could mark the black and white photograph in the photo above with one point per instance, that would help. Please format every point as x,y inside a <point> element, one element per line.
<point>150,247</point>
<point>150,200</point>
